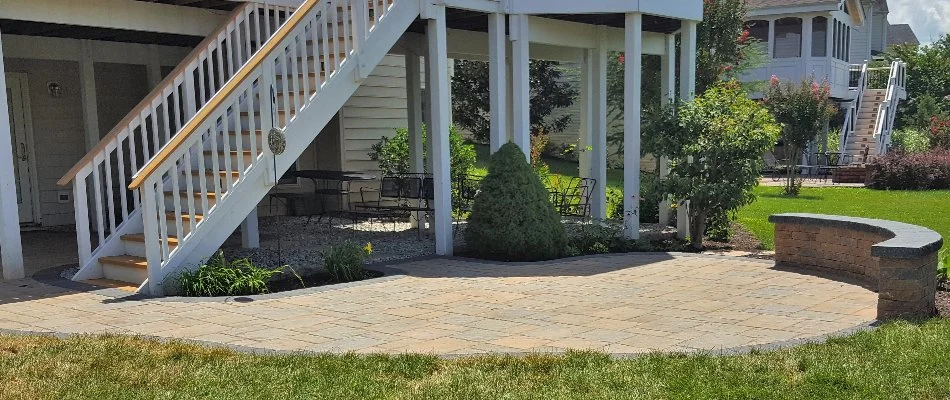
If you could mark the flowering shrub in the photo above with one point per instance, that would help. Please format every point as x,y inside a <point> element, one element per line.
<point>940,129</point>
<point>802,110</point>
<point>918,171</point>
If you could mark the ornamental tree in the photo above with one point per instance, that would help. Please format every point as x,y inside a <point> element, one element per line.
<point>715,144</point>
<point>803,110</point>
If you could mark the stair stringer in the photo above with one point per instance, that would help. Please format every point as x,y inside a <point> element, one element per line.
<point>244,197</point>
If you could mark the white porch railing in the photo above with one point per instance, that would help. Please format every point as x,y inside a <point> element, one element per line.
<point>276,85</point>
<point>896,91</point>
<point>851,115</point>
<point>105,207</point>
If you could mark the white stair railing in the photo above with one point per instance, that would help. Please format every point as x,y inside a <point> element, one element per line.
<point>270,90</point>
<point>896,91</point>
<point>851,115</point>
<point>154,122</point>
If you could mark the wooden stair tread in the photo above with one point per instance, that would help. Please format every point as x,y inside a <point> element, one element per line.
<point>211,195</point>
<point>113,284</point>
<point>140,237</point>
<point>212,173</point>
<point>246,152</point>
<point>125,261</point>
<point>171,216</point>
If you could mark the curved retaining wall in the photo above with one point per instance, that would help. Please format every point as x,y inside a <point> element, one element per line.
<point>898,260</point>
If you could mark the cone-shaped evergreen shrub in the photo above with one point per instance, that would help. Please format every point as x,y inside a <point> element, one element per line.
<point>512,218</point>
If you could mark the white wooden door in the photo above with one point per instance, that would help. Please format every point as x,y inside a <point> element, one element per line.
<point>22,151</point>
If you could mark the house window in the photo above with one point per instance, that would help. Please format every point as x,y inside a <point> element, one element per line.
<point>788,38</point>
<point>819,37</point>
<point>759,30</point>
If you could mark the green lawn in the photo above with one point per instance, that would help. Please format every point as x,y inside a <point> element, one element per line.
<point>899,361</point>
<point>559,168</point>
<point>930,209</point>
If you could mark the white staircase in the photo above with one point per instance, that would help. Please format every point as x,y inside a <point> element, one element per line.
<point>869,121</point>
<point>204,133</point>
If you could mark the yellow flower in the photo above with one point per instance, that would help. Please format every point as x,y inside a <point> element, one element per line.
<point>368,248</point>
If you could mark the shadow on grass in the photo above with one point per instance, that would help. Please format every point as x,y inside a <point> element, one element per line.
<point>784,197</point>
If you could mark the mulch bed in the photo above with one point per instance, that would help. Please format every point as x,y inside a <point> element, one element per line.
<point>289,282</point>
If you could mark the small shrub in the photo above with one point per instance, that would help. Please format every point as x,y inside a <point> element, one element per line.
<point>718,227</point>
<point>219,276</point>
<point>920,171</point>
<point>650,198</point>
<point>344,262</point>
<point>910,140</point>
<point>392,154</point>
<point>596,238</point>
<point>512,218</point>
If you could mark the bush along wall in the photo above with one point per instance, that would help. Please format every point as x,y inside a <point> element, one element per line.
<point>917,171</point>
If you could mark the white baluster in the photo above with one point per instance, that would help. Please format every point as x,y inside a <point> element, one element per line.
<point>123,202</point>
<point>97,188</point>
<point>155,244</point>
<point>110,193</point>
<point>80,199</point>
<point>190,186</point>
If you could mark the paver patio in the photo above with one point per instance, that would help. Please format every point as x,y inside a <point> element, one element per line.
<point>618,303</point>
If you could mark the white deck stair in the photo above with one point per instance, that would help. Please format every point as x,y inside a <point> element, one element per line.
<point>870,118</point>
<point>204,133</point>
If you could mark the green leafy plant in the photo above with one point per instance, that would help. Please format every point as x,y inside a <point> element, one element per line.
<point>943,265</point>
<point>597,238</point>
<point>802,109</point>
<point>715,144</point>
<point>911,140</point>
<point>344,262</point>
<point>392,154</point>
<point>219,276</point>
<point>512,217</point>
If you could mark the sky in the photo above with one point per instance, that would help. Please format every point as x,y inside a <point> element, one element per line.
<point>928,18</point>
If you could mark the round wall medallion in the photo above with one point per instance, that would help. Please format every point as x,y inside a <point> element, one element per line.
<point>276,141</point>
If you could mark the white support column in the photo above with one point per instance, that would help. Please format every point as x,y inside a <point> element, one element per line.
<point>806,41</point>
<point>598,153</point>
<point>87,81</point>
<point>439,129</point>
<point>520,83</point>
<point>633,76</point>
<point>497,80</point>
<point>414,108</point>
<point>11,250</point>
<point>250,234</point>
<point>414,118</point>
<point>687,91</point>
<point>667,93</point>
<point>584,143</point>
<point>427,121</point>
<point>771,49</point>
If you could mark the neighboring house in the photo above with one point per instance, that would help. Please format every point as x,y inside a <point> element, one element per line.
<point>151,124</point>
<point>832,41</point>
<point>900,34</point>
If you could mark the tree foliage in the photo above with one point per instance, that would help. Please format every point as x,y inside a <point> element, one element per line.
<point>471,106</point>
<point>512,218</point>
<point>392,154</point>
<point>803,110</point>
<point>715,144</point>
<point>928,75</point>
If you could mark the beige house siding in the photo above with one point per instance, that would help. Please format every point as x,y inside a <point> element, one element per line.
<point>57,131</point>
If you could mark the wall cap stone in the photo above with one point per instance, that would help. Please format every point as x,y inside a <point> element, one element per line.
<point>906,240</point>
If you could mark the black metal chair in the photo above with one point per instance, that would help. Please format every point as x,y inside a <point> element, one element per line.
<point>575,200</point>
<point>467,187</point>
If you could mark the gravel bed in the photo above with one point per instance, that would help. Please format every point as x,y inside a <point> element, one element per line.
<point>301,243</point>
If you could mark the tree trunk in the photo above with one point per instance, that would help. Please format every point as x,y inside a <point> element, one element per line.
<point>792,171</point>
<point>697,229</point>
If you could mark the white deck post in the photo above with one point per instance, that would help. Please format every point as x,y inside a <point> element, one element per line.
<point>520,83</point>
<point>250,234</point>
<point>687,91</point>
<point>598,153</point>
<point>633,75</point>
<point>439,129</point>
<point>667,93</point>
<point>497,80</point>
<point>11,250</point>
<point>414,110</point>
<point>584,102</point>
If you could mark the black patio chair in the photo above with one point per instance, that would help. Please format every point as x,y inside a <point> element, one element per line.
<point>574,201</point>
